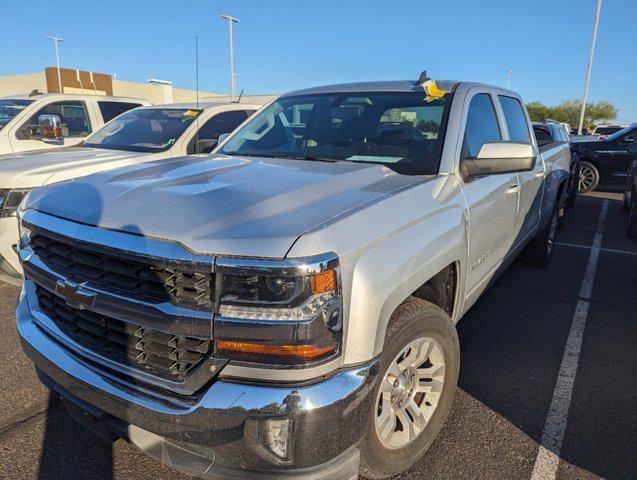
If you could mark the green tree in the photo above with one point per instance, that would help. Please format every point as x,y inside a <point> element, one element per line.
<point>568,111</point>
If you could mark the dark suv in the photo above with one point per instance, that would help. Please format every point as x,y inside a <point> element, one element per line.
<point>605,162</point>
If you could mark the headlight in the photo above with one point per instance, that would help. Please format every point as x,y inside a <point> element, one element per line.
<point>10,200</point>
<point>24,232</point>
<point>284,312</point>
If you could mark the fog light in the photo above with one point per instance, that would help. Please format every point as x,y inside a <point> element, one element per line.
<point>275,436</point>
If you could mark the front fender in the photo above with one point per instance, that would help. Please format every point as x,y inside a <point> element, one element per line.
<point>389,273</point>
<point>387,250</point>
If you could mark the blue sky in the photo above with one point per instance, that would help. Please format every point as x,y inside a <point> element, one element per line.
<point>282,45</point>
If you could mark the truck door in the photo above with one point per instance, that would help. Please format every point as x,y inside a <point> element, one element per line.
<point>531,183</point>
<point>620,158</point>
<point>491,200</point>
<point>76,126</point>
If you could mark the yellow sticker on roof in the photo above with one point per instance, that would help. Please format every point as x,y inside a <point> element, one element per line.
<point>432,90</point>
<point>190,113</point>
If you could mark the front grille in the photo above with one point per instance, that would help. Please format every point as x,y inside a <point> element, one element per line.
<point>160,353</point>
<point>185,284</point>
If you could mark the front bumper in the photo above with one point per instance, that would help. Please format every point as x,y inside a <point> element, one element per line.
<point>214,434</point>
<point>9,262</point>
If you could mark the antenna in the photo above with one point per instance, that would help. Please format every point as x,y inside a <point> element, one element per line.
<point>423,78</point>
<point>197,86</point>
<point>240,95</point>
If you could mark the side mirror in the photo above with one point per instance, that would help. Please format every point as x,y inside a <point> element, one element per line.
<point>632,148</point>
<point>222,138</point>
<point>50,127</point>
<point>499,157</point>
<point>205,145</point>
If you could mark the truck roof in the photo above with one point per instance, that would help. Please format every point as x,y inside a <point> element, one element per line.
<point>384,86</point>
<point>201,105</point>
<point>74,96</point>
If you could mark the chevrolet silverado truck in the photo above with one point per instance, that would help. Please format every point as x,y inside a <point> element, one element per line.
<point>140,135</point>
<point>25,118</point>
<point>286,307</point>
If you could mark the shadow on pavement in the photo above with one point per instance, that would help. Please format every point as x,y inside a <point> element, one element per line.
<point>70,451</point>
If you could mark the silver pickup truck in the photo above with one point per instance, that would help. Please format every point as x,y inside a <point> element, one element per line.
<point>286,307</point>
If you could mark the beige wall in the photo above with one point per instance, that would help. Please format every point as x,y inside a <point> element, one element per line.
<point>256,99</point>
<point>26,83</point>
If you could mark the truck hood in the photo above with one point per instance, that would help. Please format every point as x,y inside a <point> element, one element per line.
<point>39,167</point>
<point>242,206</point>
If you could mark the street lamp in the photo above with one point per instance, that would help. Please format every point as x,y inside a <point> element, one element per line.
<point>588,70</point>
<point>231,20</point>
<point>509,72</point>
<point>56,40</point>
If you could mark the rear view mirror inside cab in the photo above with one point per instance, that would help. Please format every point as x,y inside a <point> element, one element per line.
<point>499,157</point>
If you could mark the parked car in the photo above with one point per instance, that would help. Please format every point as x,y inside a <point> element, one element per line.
<point>286,308</point>
<point>142,135</point>
<point>605,162</point>
<point>551,135</point>
<point>630,195</point>
<point>28,122</point>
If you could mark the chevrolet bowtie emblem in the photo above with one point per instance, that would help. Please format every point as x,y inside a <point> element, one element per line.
<point>73,294</point>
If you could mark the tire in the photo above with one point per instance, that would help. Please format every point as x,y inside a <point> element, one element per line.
<point>539,252</point>
<point>413,321</point>
<point>631,223</point>
<point>573,186</point>
<point>588,178</point>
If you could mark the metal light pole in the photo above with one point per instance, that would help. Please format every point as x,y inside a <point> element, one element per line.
<point>56,40</point>
<point>231,20</point>
<point>509,72</point>
<point>588,70</point>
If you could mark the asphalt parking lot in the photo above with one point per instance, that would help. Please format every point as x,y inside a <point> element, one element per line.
<point>513,343</point>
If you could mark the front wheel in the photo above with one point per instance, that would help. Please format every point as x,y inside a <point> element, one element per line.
<point>419,369</point>
<point>588,177</point>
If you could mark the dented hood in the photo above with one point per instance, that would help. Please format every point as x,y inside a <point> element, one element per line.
<point>223,205</point>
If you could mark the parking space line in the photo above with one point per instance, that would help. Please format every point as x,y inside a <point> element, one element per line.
<point>548,455</point>
<point>610,250</point>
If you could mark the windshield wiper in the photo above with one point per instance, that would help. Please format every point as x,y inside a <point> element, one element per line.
<point>309,157</point>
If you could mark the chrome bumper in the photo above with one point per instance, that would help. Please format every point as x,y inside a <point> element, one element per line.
<point>216,433</point>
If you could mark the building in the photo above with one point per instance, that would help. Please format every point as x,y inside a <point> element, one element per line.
<point>79,81</point>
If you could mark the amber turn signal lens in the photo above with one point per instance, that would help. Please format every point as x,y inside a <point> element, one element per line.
<point>323,282</point>
<point>299,351</point>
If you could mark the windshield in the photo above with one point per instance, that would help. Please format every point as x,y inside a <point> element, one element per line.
<point>403,131</point>
<point>9,108</point>
<point>606,130</point>
<point>144,129</point>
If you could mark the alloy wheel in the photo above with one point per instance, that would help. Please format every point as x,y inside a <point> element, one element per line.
<point>410,392</point>
<point>586,178</point>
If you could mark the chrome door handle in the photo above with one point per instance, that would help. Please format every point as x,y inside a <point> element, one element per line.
<point>540,173</point>
<point>513,188</point>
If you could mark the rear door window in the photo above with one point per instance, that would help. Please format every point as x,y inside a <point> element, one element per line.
<point>515,119</point>
<point>482,125</point>
<point>110,110</point>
